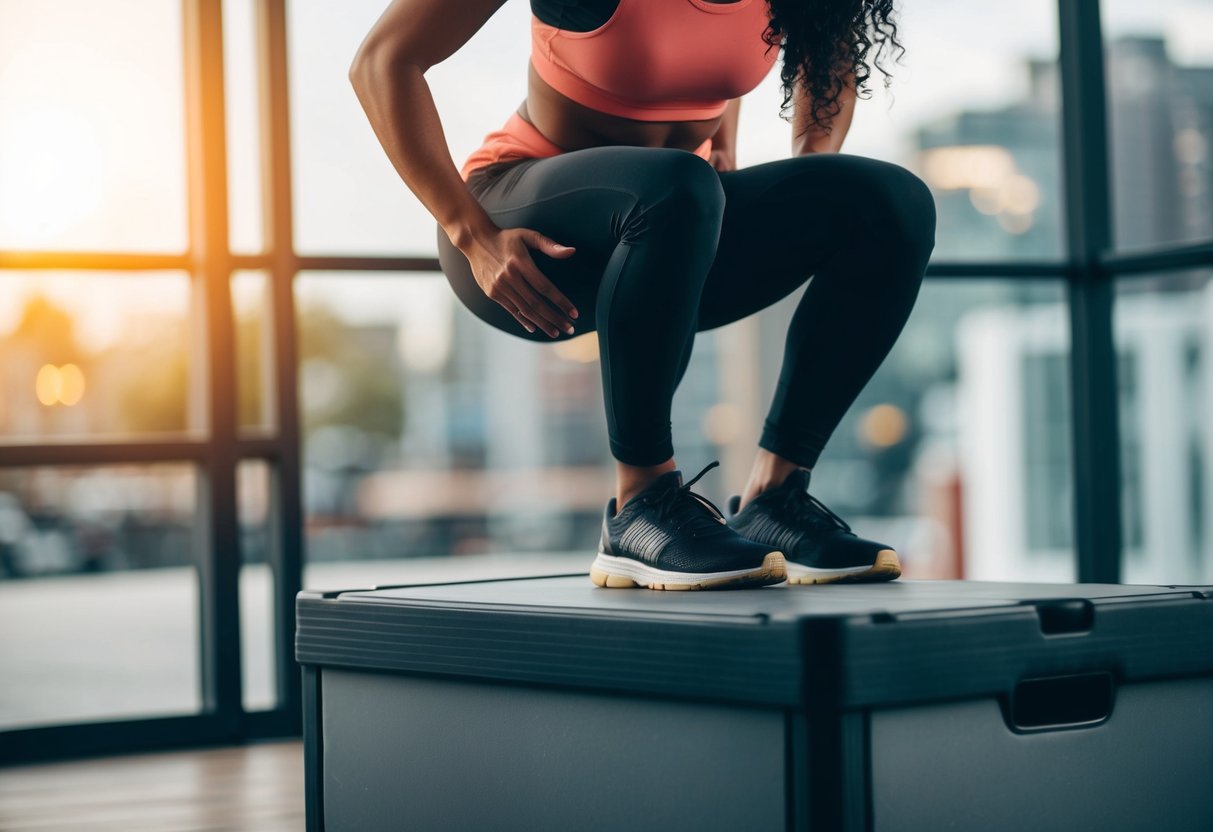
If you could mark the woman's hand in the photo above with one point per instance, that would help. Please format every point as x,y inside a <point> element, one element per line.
<point>502,265</point>
<point>722,159</point>
<point>723,155</point>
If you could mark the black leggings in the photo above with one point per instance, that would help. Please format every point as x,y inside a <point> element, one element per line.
<point>667,246</point>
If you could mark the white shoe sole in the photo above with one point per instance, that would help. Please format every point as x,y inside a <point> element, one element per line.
<point>624,573</point>
<point>886,568</point>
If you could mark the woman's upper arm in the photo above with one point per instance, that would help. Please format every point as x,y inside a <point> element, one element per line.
<point>423,32</point>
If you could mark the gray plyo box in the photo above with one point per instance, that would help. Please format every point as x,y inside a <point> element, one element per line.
<point>547,703</point>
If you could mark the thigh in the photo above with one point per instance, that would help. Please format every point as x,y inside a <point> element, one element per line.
<point>582,198</point>
<point>783,220</point>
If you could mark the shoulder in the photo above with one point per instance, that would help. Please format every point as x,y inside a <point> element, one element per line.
<point>574,15</point>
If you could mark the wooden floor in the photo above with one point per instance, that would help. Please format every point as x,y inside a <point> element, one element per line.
<point>258,788</point>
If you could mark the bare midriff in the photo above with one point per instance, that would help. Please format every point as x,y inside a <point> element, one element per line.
<point>573,126</point>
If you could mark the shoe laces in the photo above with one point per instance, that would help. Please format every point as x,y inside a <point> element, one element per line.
<point>801,505</point>
<point>687,507</point>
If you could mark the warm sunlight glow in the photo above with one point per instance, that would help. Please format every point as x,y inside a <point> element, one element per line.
<point>883,426</point>
<point>59,385</point>
<point>1020,195</point>
<point>582,348</point>
<point>723,423</point>
<point>988,172</point>
<point>52,168</point>
<point>71,384</point>
<point>972,166</point>
<point>48,384</point>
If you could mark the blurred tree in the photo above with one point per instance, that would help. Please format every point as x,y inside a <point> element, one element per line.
<point>44,334</point>
<point>251,394</point>
<point>153,395</point>
<point>367,394</point>
<point>141,384</point>
<point>47,331</point>
<point>350,375</point>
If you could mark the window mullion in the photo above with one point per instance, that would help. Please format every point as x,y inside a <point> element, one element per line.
<point>286,552</point>
<point>219,552</point>
<point>1096,435</point>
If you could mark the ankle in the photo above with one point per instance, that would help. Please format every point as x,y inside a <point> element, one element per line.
<point>630,480</point>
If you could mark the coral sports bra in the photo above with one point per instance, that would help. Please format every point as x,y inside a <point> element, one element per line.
<point>658,60</point>
<point>649,60</point>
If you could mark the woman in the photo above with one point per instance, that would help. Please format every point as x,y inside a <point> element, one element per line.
<point>610,201</point>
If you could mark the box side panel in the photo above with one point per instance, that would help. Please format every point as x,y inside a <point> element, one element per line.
<point>959,767</point>
<point>403,752</point>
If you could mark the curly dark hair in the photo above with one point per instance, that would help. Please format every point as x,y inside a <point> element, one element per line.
<point>826,40</point>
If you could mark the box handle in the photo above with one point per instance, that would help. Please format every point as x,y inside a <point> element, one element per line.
<point>1053,703</point>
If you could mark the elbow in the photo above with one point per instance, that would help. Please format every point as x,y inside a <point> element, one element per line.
<point>361,70</point>
<point>377,60</point>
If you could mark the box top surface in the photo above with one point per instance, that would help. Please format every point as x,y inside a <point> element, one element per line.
<point>858,646</point>
<point>575,593</point>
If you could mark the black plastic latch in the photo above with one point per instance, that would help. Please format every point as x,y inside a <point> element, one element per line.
<point>1065,616</point>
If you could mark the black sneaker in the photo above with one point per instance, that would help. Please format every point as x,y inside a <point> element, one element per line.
<point>819,546</point>
<point>668,537</point>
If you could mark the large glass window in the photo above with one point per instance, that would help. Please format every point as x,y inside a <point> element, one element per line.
<point>242,95</point>
<point>95,355</point>
<point>985,138</point>
<point>92,135</point>
<point>1164,340</point>
<point>973,108</point>
<point>426,432</point>
<point>98,593</point>
<point>251,304</point>
<point>348,198</point>
<point>257,579</point>
<point>957,452</point>
<point>1159,58</point>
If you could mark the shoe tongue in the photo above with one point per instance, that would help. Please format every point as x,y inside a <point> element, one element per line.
<point>670,479</point>
<point>704,513</point>
<point>797,480</point>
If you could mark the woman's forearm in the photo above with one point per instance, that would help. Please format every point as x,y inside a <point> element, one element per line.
<point>398,102</point>
<point>726,133</point>
<point>811,138</point>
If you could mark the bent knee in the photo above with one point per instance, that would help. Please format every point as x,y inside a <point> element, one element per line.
<point>691,181</point>
<point>682,192</point>
<point>901,208</point>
